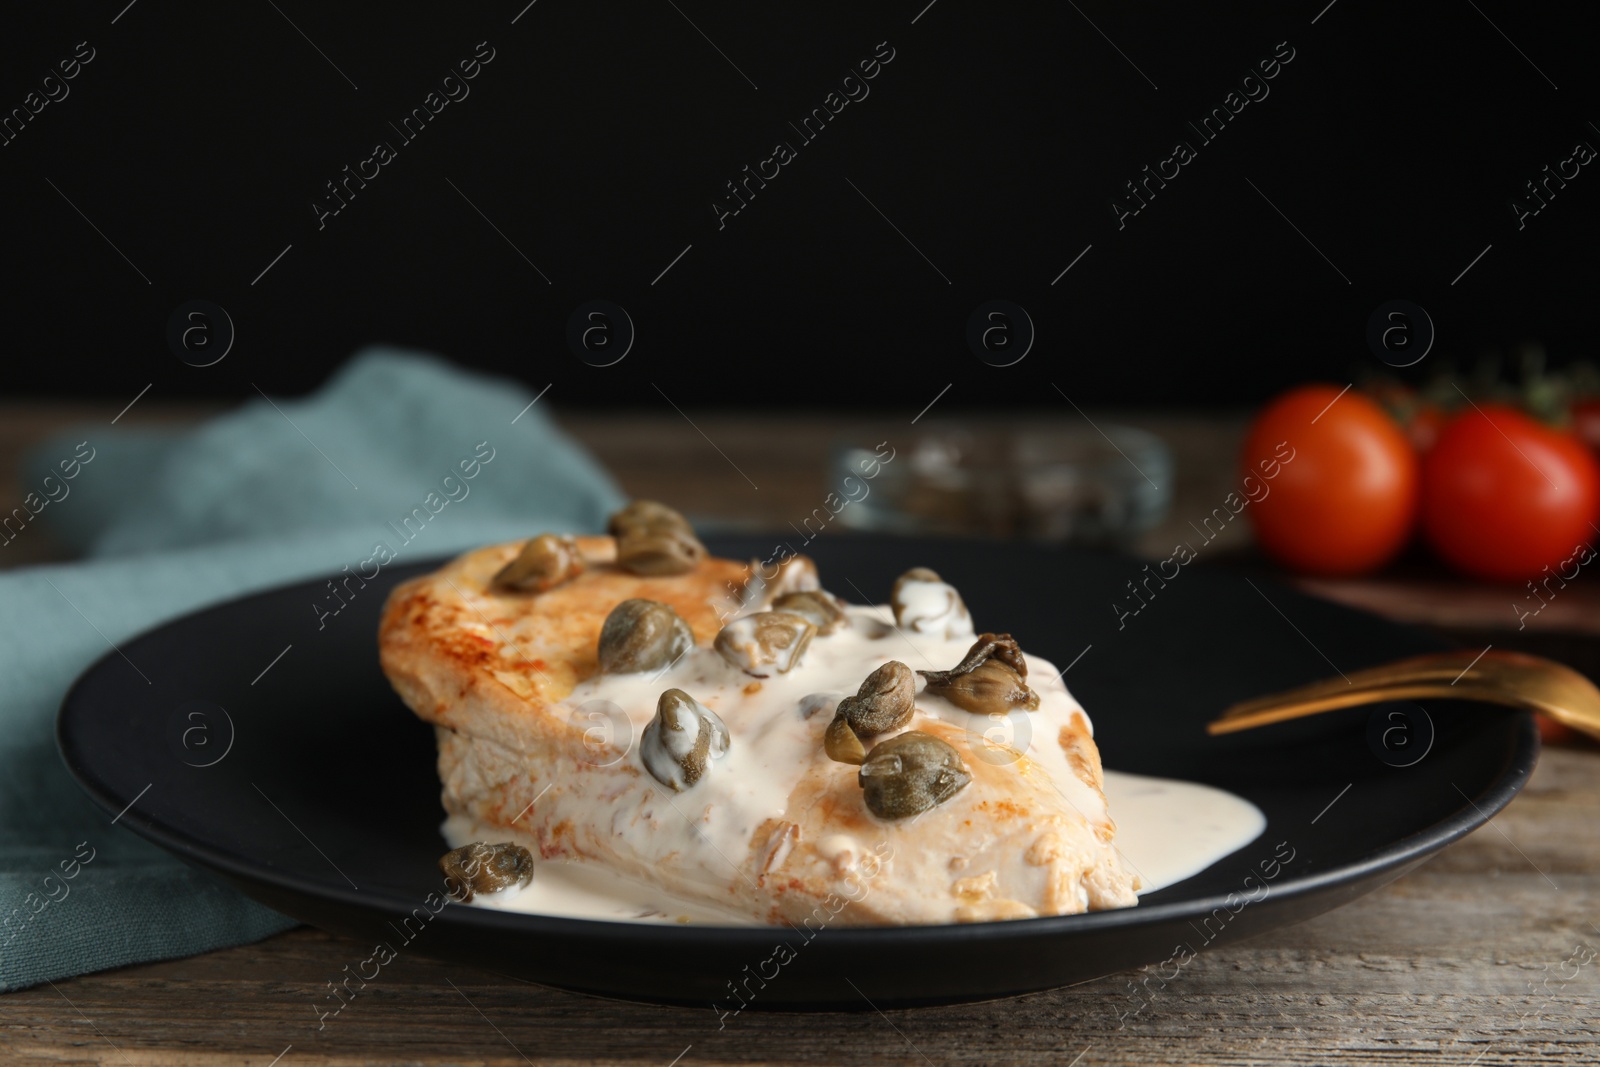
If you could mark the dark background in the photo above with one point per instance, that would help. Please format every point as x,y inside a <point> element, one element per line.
<point>596,140</point>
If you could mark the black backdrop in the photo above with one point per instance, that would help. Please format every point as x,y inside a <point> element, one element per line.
<point>983,160</point>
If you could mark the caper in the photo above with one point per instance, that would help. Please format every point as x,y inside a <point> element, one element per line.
<point>1002,647</point>
<point>841,743</point>
<point>796,574</point>
<point>883,702</point>
<point>544,562</point>
<point>654,539</point>
<point>918,574</point>
<point>766,642</point>
<point>926,604</point>
<point>659,551</point>
<point>792,574</point>
<point>991,688</point>
<point>682,740</point>
<point>910,773</point>
<point>484,868</point>
<point>990,679</point>
<point>642,635</point>
<point>815,606</point>
<point>645,513</point>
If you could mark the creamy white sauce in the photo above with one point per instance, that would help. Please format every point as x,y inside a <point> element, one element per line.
<point>1167,830</point>
<point>774,741</point>
<point>573,890</point>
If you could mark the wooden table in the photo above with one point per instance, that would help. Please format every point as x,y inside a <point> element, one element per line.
<point>1464,961</point>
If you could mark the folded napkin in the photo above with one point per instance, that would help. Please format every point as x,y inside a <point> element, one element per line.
<point>275,491</point>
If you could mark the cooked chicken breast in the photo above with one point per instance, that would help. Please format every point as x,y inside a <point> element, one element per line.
<point>540,746</point>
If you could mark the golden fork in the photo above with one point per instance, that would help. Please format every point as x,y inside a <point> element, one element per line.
<point>1510,678</point>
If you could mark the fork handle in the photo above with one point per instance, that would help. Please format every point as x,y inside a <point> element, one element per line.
<point>1442,674</point>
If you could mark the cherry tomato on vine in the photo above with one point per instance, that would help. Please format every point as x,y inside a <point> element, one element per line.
<point>1346,501</point>
<point>1504,495</point>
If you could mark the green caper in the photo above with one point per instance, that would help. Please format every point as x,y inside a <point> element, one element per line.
<point>484,868</point>
<point>990,679</point>
<point>681,741</point>
<point>1002,647</point>
<point>642,635</point>
<point>841,743</point>
<point>654,539</point>
<point>544,562</point>
<point>658,550</point>
<point>646,514</point>
<point>991,688</point>
<point>916,574</point>
<point>815,606</point>
<point>909,774</point>
<point>796,574</point>
<point>766,642</point>
<point>925,603</point>
<point>883,702</point>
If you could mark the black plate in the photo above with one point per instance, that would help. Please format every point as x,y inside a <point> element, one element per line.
<point>320,750</point>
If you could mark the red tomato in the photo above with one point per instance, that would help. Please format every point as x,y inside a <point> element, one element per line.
<point>1504,496</point>
<point>1336,478</point>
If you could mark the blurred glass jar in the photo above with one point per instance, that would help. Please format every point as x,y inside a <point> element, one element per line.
<point>1070,485</point>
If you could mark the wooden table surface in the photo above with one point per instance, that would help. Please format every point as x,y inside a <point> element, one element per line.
<point>1484,955</point>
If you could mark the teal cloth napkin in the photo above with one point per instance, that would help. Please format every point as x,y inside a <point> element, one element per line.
<point>275,491</point>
